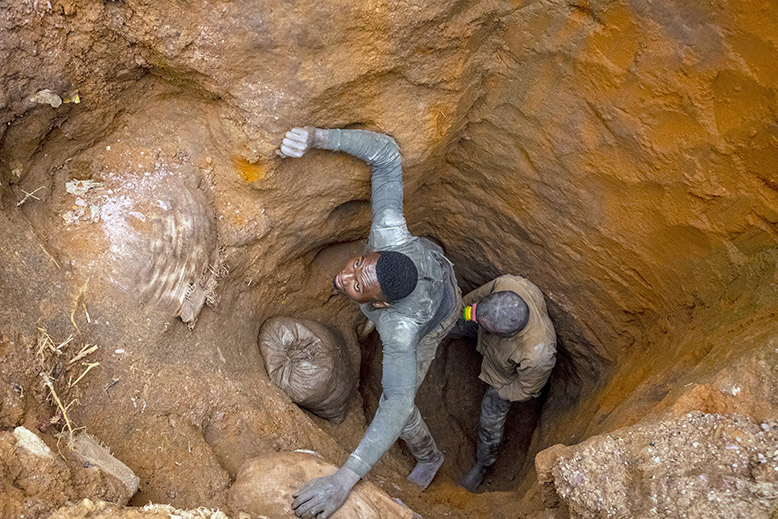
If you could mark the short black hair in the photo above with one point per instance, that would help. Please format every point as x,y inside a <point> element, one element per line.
<point>502,313</point>
<point>396,274</point>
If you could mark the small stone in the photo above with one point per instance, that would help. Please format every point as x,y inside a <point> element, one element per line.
<point>48,97</point>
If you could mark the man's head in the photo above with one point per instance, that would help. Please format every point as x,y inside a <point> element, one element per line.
<point>380,278</point>
<point>502,313</point>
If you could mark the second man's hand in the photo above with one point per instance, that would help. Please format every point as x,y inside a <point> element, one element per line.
<point>299,140</point>
<point>322,497</point>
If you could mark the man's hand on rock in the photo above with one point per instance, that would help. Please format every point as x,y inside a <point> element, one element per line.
<point>299,140</point>
<point>322,497</point>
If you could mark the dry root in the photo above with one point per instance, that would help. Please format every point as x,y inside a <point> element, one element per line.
<point>62,408</point>
<point>46,344</point>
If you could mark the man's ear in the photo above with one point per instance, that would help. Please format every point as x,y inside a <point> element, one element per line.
<point>381,304</point>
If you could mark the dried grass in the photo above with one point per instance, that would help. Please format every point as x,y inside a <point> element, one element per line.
<point>46,344</point>
<point>86,349</point>
<point>28,195</point>
<point>89,366</point>
<point>46,350</point>
<point>49,383</point>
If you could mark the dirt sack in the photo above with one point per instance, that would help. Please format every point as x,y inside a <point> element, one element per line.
<point>308,361</point>
<point>265,485</point>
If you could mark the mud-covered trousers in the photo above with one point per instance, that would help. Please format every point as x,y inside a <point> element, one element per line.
<point>416,434</point>
<point>494,409</point>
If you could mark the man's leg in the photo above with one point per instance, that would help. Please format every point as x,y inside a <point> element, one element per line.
<point>420,442</point>
<point>494,411</point>
<point>416,434</point>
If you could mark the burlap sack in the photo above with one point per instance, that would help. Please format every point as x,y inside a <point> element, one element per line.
<point>309,363</point>
<point>265,485</point>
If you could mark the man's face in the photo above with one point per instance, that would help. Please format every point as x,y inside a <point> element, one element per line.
<point>358,279</point>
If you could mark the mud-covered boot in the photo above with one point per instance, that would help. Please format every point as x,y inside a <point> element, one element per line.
<point>425,471</point>
<point>474,478</point>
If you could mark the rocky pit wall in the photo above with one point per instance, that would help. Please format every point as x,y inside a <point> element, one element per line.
<point>620,154</point>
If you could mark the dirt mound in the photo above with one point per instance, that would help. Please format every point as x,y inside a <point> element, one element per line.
<point>88,509</point>
<point>34,480</point>
<point>696,466</point>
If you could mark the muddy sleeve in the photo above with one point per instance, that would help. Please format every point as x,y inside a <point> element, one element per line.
<point>396,403</point>
<point>383,155</point>
<point>531,375</point>
<point>478,293</point>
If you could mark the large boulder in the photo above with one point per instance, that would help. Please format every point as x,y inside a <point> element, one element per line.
<point>265,485</point>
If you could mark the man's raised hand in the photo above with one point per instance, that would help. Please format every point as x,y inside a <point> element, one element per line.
<point>297,141</point>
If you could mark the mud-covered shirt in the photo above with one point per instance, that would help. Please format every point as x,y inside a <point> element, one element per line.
<point>519,366</point>
<point>406,321</point>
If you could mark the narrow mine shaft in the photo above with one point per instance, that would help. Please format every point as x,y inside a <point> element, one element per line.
<point>619,155</point>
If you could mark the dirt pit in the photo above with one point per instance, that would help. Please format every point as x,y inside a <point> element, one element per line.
<point>619,155</point>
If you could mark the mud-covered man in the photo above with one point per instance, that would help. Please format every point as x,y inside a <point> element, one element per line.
<point>407,289</point>
<point>514,333</point>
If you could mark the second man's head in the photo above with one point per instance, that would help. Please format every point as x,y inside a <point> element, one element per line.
<point>502,313</point>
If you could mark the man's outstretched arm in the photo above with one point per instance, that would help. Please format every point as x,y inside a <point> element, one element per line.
<point>327,494</point>
<point>398,383</point>
<point>383,155</point>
